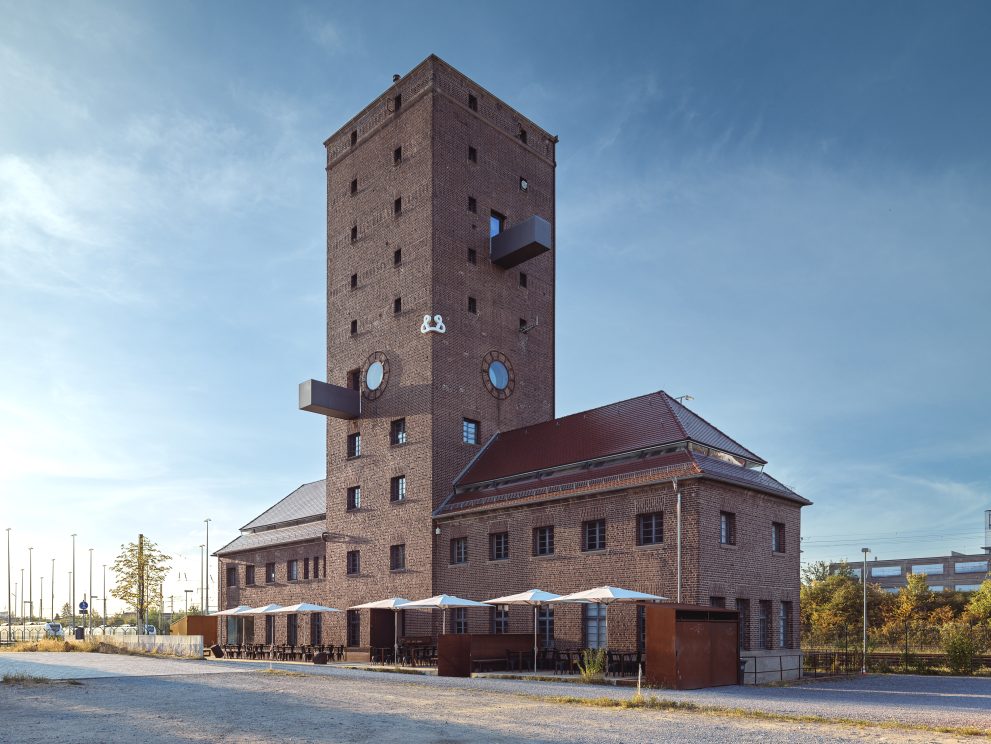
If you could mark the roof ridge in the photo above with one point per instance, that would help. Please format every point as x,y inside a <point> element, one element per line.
<point>287,496</point>
<point>705,421</point>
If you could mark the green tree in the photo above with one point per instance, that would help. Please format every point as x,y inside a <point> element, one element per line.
<point>140,569</point>
<point>816,571</point>
<point>832,608</point>
<point>979,606</point>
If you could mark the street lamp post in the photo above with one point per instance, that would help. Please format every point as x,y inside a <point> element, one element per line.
<point>53,588</point>
<point>188,592</point>
<point>30,583</point>
<point>206,602</point>
<point>72,581</point>
<point>21,608</point>
<point>201,577</point>
<point>9,615</point>
<point>90,610</point>
<point>41,599</point>
<point>104,593</point>
<point>863,666</point>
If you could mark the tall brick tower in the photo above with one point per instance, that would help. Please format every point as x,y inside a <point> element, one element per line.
<point>440,317</point>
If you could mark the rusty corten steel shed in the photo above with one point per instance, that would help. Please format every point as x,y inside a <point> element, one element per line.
<point>691,646</point>
<point>204,625</point>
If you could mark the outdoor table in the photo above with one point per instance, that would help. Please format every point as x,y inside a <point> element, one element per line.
<point>519,660</point>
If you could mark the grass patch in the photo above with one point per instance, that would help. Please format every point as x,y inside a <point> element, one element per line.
<point>89,646</point>
<point>654,703</point>
<point>18,678</point>
<point>283,673</point>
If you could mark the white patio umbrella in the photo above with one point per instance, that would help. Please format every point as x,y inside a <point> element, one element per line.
<point>442,601</point>
<point>232,611</point>
<point>607,595</point>
<point>534,597</point>
<point>301,607</point>
<point>392,603</point>
<point>260,610</point>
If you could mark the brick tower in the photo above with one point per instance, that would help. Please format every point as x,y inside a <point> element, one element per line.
<point>440,318</point>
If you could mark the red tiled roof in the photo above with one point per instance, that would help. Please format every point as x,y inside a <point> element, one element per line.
<point>647,421</point>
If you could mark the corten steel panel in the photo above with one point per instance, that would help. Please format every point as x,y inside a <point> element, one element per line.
<point>329,400</point>
<point>381,629</point>
<point>495,645</point>
<point>521,242</point>
<point>204,625</point>
<point>660,646</point>
<point>690,646</point>
<point>694,654</point>
<point>454,655</point>
<point>725,658</point>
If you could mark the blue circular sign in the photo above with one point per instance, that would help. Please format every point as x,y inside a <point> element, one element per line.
<point>83,605</point>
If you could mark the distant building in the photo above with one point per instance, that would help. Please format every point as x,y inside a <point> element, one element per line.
<point>961,572</point>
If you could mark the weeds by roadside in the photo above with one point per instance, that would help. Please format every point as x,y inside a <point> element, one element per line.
<point>89,646</point>
<point>30,679</point>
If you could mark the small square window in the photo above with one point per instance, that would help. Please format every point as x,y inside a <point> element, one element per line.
<point>472,256</point>
<point>397,305</point>
<point>472,305</point>
<point>354,498</point>
<point>354,233</point>
<point>523,136</point>
<point>354,186</point>
<point>397,102</point>
<point>354,281</point>
<point>354,137</point>
<point>472,102</point>
<point>397,206</point>
<point>472,205</point>
<point>354,445</point>
<point>523,325</point>
<point>471,431</point>
<point>354,379</point>
<point>397,156</point>
<point>524,184</point>
<point>459,550</point>
<point>397,488</point>
<point>650,528</point>
<point>523,279</point>
<point>397,431</point>
<point>354,327</point>
<point>397,557</point>
<point>727,528</point>
<point>397,256</point>
<point>499,546</point>
<point>354,562</point>
<point>472,154</point>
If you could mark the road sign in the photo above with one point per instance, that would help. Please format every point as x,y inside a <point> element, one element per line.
<point>83,605</point>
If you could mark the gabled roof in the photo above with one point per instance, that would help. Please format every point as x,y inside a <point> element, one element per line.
<point>306,503</point>
<point>279,536</point>
<point>650,420</point>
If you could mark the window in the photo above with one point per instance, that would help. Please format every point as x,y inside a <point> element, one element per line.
<point>316,628</point>
<point>743,607</point>
<point>717,601</point>
<point>727,528</point>
<point>594,622</point>
<point>397,488</point>
<point>784,625</point>
<point>472,154</point>
<point>928,569</point>
<point>459,550</point>
<point>523,136</point>
<point>292,629</point>
<point>397,102</point>
<point>354,445</point>
<point>354,498</point>
<point>397,256</point>
<point>354,281</point>
<point>499,546</point>
<point>764,623</point>
<point>523,324</point>
<point>397,206</point>
<point>496,223</point>
<point>397,557</point>
<point>543,541</point>
<point>472,256</point>
<point>594,535</point>
<point>354,186</point>
<point>472,306</point>
<point>641,628</point>
<point>472,205</point>
<point>354,379</point>
<point>269,573</point>
<point>249,575</point>
<point>354,327</point>
<point>397,431</point>
<point>397,156</point>
<point>354,233</point>
<point>292,570</point>
<point>354,562</point>
<point>500,619</point>
<point>524,184</point>
<point>232,576</point>
<point>316,567</point>
<point>306,568</point>
<point>472,102</point>
<point>545,625</point>
<point>354,137</point>
<point>522,279</point>
<point>460,620</point>
<point>650,528</point>
<point>880,571</point>
<point>470,431</point>
<point>270,629</point>
<point>967,587</point>
<point>354,627</point>
<point>397,305</point>
<point>777,537</point>
<point>971,567</point>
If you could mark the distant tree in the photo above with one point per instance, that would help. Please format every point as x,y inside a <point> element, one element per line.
<point>140,569</point>
<point>816,571</point>
<point>833,606</point>
<point>65,612</point>
<point>979,606</point>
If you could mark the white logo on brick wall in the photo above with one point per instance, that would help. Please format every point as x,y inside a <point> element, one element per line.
<point>436,327</point>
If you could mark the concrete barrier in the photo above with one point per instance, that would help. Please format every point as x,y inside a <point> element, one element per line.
<point>170,645</point>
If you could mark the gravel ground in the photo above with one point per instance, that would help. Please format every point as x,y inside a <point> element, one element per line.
<point>173,700</point>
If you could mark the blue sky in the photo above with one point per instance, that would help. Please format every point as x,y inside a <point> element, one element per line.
<point>780,209</point>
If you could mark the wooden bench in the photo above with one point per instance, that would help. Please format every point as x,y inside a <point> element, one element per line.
<point>485,665</point>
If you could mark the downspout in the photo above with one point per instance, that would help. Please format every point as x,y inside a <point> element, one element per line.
<point>674,484</point>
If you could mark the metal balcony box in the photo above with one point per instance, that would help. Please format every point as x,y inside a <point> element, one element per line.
<point>521,242</point>
<point>329,400</point>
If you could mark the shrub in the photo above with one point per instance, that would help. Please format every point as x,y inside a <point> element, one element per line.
<point>960,647</point>
<point>593,664</point>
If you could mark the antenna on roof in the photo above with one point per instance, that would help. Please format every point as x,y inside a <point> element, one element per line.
<point>683,398</point>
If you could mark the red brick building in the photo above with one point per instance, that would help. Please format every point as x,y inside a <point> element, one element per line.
<point>446,469</point>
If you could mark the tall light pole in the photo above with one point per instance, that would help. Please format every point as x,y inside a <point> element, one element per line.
<point>21,607</point>
<point>206,602</point>
<point>201,577</point>
<point>53,588</point>
<point>104,593</point>
<point>30,584</point>
<point>41,599</point>
<point>863,667</point>
<point>72,581</point>
<point>90,611</point>
<point>9,615</point>
<point>188,592</point>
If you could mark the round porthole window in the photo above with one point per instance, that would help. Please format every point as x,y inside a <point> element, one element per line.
<point>376,375</point>
<point>497,375</point>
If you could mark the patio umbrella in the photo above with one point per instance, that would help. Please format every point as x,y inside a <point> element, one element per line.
<point>607,595</point>
<point>232,611</point>
<point>301,607</point>
<point>442,601</point>
<point>392,603</point>
<point>260,610</point>
<point>534,597</point>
